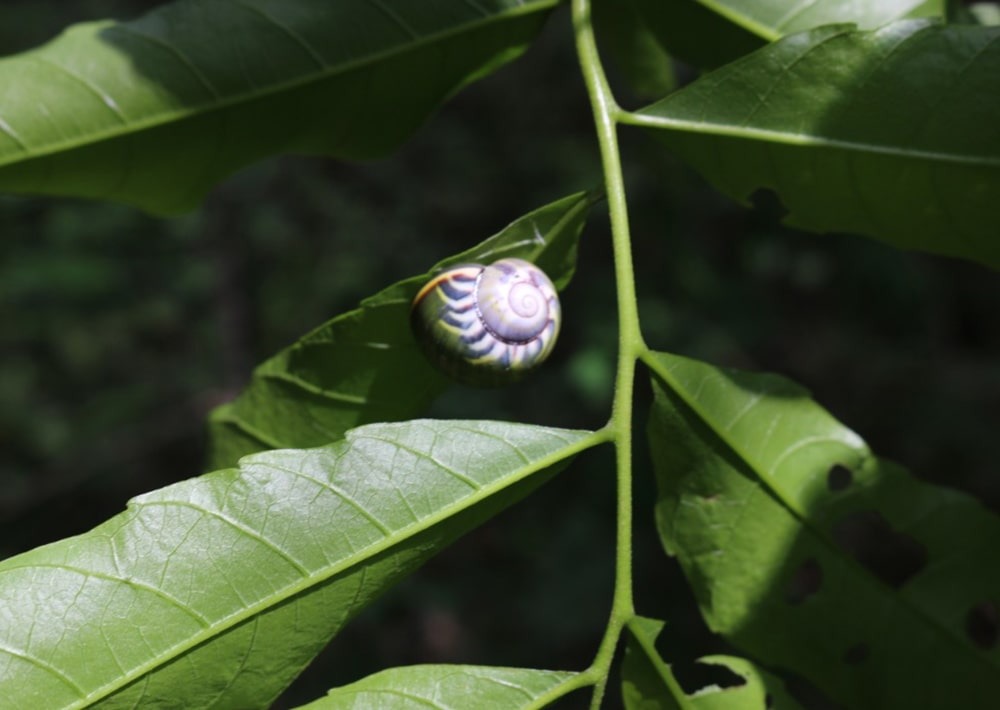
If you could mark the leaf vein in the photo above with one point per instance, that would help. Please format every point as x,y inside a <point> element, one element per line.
<point>136,584</point>
<point>92,88</point>
<point>367,514</point>
<point>236,525</point>
<point>47,667</point>
<point>291,33</point>
<point>427,457</point>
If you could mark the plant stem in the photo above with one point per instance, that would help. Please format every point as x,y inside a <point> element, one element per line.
<point>630,343</point>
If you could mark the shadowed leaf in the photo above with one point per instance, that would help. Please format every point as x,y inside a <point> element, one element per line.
<point>894,134</point>
<point>155,111</point>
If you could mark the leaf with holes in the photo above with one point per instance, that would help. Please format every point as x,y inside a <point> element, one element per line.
<point>741,26</point>
<point>810,553</point>
<point>648,683</point>
<point>155,111</point>
<point>894,134</point>
<point>217,591</point>
<point>364,366</point>
<point>420,687</point>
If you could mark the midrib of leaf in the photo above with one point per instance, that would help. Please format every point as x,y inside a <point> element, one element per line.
<point>731,130</point>
<point>802,139</point>
<point>224,102</point>
<point>313,579</point>
<point>664,372</point>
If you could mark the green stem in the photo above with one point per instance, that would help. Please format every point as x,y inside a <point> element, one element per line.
<point>630,343</point>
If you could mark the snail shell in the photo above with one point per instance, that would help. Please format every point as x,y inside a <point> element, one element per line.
<point>487,325</point>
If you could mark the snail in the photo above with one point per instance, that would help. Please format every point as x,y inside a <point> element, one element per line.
<point>487,325</point>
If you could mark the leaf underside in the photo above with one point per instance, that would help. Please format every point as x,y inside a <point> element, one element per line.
<point>155,111</point>
<point>364,366</point>
<point>811,554</point>
<point>894,134</point>
<point>443,687</point>
<point>217,591</point>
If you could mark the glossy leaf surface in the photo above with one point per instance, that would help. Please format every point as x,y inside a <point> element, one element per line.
<point>649,683</point>
<point>443,687</point>
<point>153,112</point>
<point>894,134</point>
<point>365,366</point>
<point>811,554</point>
<point>217,591</point>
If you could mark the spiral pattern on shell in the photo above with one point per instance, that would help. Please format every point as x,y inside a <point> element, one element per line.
<point>487,325</point>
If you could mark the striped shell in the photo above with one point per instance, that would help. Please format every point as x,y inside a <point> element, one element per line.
<point>487,325</point>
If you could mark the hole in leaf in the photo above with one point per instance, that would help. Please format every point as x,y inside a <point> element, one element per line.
<point>694,676</point>
<point>839,478</point>
<point>805,582</point>
<point>856,654</point>
<point>981,624</point>
<point>893,557</point>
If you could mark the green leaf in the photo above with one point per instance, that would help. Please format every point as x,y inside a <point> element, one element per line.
<point>709,33</point>
<point>422,687</point>
<point>811,554</point>
<point>893,134</point>
<point>648,683</point>
<point>218,590</point>
<point>155,111</point>
<point>364,366</point>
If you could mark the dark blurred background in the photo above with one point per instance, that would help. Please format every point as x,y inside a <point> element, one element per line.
<point>121,331</point>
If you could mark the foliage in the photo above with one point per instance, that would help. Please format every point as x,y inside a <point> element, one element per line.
<point>809,554</point>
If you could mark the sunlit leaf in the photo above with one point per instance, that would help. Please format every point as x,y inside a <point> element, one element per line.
<point>811,554</point>
<point>217,591</point>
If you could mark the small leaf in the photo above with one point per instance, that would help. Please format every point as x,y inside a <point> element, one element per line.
<point>155,111</point>
<point>421,687</point>
<point>364,366</point>
<point>217,591</point>
<point>811,554</point>
<point>649,683</point>
<point>893,134</point>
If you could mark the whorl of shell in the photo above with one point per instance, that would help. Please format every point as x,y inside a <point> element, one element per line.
<point>487,325</point>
